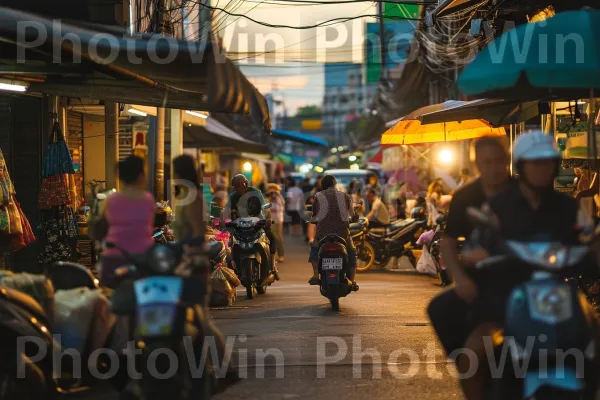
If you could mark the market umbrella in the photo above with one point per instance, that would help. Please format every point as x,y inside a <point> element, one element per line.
<point>558,57</point>
<point>425,110</point>
<point>414,132</point>
<point>555,58</point>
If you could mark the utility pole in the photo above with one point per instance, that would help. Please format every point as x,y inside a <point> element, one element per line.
<point>111,129</point>
<point>159,138</point>
<point>382,44</point>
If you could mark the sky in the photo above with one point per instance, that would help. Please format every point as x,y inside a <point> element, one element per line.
<point>295,71</point>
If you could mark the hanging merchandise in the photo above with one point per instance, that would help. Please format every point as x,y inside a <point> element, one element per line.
<point>56,200</point>
<point>15,230</point>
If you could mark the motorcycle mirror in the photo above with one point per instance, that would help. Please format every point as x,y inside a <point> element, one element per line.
<point>267,206</point>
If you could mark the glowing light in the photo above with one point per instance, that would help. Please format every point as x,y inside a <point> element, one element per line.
<point>137,112</point>
<point>355,166</point>
<point>197,114</point>
<point>334,150</point>
<point>546,13</point>
<point>304,168</point>
<point>12,87</point>
<point>352,158</point>
<point>341,148</point>
<point>319,169</point>
<point>446,156</point>
<point>247,167</point>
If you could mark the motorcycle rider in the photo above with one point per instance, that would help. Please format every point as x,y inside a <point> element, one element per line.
<point>332,211</point>
<point>529,209</point>
<point>247,201</point>
<point>379,215</point>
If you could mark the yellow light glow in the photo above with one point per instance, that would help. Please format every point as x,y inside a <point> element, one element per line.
<point>446,156</point>
<point>352,158</point>
<point>247,167</point>
<point>319,169</point>
<point>546,13</point>
<point>355,166</point>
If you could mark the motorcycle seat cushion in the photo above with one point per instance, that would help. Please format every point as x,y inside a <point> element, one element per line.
<point>24,300</point>
<point>332,238</point>
<point>400,224</point>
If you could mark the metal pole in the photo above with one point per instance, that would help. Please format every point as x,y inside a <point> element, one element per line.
<point>176,143</point>
<point>111,129</point>
<point>383,53</point>
<point>159,165</point>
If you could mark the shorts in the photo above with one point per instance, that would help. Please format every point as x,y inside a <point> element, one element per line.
<point>296,220</point>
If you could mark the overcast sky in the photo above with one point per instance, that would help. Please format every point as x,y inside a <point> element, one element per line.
<point>299,83</point>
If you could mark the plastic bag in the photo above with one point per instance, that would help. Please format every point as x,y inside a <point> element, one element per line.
<point>427,264</point>
<point>232,278</point>
<point>426,238</point>
<point>222,293</point>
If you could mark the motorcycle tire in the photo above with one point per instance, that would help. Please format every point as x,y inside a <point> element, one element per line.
<point>250,291</point>
<point>261,289</point>
<point>335,304</point>
<point>367,251</point>
<point>382,261</point>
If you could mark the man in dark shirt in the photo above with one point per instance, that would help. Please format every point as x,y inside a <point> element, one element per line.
<point>447,311</point>
<point>527,210</point>
<point>246,201</point>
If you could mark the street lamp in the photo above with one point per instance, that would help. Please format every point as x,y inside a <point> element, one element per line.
<point>352,158</point>
<point>446,157</point>
<point>247,167</point>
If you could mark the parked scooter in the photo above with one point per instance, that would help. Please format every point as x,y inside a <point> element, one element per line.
<point>169,309</point>
<point>23,317</point>
<point>365,253</point>
<point>398,238</point>
<point>251,253</point>
<point>545,318</point>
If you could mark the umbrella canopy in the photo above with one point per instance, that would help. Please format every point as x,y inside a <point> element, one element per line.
<point>425,110</point>
<point>496,112</point>
<point>558,57</point>
<point>414,132</point>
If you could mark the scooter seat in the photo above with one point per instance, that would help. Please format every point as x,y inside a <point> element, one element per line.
<point>26,301</point>
<point>214,249</point>
<point>400,224</point>
<point>332,238</point>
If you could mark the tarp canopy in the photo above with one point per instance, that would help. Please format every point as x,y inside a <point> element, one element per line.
<point>215,135</point>
<point>106,63</point>
<point>298,137</point>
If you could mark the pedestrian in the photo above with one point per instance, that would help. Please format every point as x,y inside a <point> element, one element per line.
<point>277,213</point>
<point>465,178</point>
<point>295,205</point>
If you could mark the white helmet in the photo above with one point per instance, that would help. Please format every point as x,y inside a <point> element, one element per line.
<point>535,146</point>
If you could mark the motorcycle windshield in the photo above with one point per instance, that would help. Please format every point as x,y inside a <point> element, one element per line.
<point>548,255</point>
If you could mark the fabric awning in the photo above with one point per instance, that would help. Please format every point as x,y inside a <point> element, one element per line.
<point>298,137</point>
<point>496,112</point>
<point>111,65</point>
<point>215,135</point>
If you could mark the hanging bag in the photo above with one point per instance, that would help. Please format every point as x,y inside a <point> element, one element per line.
<point>57,160</point>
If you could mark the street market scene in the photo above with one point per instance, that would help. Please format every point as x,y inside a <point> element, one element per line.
<point>299,199</point>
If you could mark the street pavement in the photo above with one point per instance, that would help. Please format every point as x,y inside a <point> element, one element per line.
<point>380,345</point>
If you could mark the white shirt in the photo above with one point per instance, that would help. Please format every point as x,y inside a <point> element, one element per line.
<point>295,199</point>
<point>380,212</point>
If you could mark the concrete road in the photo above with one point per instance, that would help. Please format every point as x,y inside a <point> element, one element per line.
<point>380,345</point>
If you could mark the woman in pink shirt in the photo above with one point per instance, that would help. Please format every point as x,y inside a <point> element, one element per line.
<point>129,214</point>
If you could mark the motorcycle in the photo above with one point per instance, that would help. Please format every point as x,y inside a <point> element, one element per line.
<point>542,307</point>
<point>365,253</point>
<point>251,253</point>
<point>168,313</point>
<point>22,316</point>
<point>398,238</point>
<point>334,266</point>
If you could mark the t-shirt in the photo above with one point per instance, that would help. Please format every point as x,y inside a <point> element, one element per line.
<point>380,212</point>
<point>457,223</point>
<point>295,199</point>
<point>332,211</point>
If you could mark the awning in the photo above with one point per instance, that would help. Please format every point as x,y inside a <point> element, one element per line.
<point>298,137</point>
<point>111,65</point>
<point>425,110</point>
<point>496,112</point>
<point>215,135</point>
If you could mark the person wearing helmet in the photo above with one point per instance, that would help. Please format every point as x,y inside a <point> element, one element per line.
<point>529,209</point>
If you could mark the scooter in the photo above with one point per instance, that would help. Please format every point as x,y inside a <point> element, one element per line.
<point>27,326</point>
<point>399,238</point>
<point>251,253</point>
<point>546,321</point>
<point>365,253</point>
<point>169,313</point>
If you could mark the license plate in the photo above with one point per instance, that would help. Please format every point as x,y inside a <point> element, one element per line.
<point>332,264</point>
<point>156,319</point>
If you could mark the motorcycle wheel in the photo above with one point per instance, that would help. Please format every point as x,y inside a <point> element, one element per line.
<point>382,261</point>
<point>261,290</point>
<point>335,304</point>
<point>365,252</point>
<point>250,291</point>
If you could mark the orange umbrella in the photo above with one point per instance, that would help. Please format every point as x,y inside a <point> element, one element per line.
<point>411,131</point>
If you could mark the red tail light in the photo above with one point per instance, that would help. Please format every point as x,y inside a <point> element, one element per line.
<point>330,247</point>
<point>332,275</point>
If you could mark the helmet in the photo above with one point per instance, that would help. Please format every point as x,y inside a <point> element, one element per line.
<point>534,146</point>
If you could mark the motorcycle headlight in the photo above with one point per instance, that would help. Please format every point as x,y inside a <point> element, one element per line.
<point>162,259</point>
